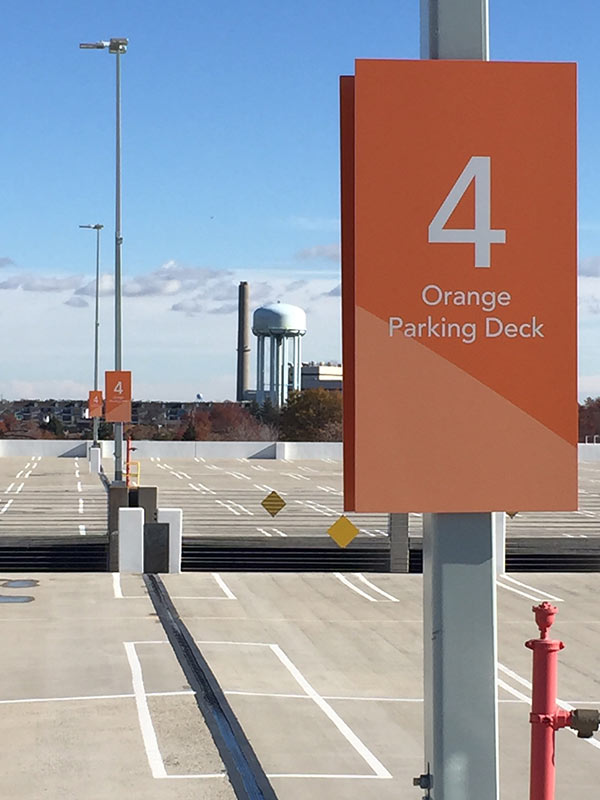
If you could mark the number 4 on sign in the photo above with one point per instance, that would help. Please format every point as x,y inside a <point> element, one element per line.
<point>478,168</point>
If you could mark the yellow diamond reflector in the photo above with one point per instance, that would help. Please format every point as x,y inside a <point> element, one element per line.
<point>273,503</point>
<point>343,531</point>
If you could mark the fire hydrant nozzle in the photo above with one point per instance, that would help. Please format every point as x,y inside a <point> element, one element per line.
<point>544,617</point>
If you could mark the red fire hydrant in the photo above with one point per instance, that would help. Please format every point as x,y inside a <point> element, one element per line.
<point>546,718</point>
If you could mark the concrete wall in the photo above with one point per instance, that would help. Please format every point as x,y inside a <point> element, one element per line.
<point>589,452</point>
<point>165,450</point>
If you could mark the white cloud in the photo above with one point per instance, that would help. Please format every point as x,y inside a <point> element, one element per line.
<point>590,266</point>
<point>106,287</point>
<point>5,261</point>
<point>329,252</point>
<point>191,306</point>
<point>77,302</point>
<point>33,283</point>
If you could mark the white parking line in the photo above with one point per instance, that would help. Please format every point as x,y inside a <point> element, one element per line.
<point>205,488</point>
<point>81,505</point>
<point>281,533</point>
<point>19,487</point>
<point>506,577</point>
<point>117,591</point>
<point>354,588</point>
<point>228,507</point>
<point>229,594</point>
<point>362,578</point>
<point>9,488</point>
<point>195,488</point>
<point>18,475</point>
<point>78,486</point>
<point>185,475</point>
<point>82,530</point>
<point>7,504</point>
<point>153,755</point>
<point>28,473</point>
<point>363,751</point>
<point>266,533</point>
<point>35,465</point>
<point>560,703</point>
<point>538,598</point>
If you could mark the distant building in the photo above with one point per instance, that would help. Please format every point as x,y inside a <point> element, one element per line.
<point>322,376</point>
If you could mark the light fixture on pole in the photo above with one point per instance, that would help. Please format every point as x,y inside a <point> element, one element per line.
<point>117,47</point>
<point>97,227</point>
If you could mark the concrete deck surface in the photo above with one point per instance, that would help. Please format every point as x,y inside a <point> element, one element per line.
<point>322,670</point>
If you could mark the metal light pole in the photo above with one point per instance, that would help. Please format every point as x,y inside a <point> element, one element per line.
<point>117,47</point>
<point>97,227</point>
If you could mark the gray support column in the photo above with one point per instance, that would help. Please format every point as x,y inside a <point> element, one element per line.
<point>399,543</point>
<point>460,652</point>
<point>260,370</point>
<point>272,373</point>
<point>459,555</point>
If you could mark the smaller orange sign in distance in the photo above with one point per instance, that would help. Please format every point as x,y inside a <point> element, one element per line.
<point>118,396</point>
<point>95,404</point>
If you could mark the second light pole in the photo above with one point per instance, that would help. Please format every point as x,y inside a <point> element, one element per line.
<point>117,47</point>
<point>96,228</point>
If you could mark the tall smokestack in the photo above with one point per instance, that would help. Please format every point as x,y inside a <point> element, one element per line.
<point>243,348</point>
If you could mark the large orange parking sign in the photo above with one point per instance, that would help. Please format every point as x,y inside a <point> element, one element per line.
<point>461,250</point>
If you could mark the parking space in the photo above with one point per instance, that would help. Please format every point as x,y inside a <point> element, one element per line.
<point>323,672</point>
<point>50,497</point>
<point>221,497</point>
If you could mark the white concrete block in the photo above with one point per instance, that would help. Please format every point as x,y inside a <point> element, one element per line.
<point>174,518</point>
<point>95,459</point>
<point>131,540</point>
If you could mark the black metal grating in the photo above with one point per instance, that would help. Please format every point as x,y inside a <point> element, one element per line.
<point>197,556</point>
<point>55,557</point>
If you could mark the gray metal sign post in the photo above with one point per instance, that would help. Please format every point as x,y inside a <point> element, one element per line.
<point>459,557</point>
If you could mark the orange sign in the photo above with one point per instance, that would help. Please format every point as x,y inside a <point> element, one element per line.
<point>461,251</point>
<point>118,396</point>
<point>95,404</point>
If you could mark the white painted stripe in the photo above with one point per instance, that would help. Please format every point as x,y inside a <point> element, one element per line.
<point>67,699</point>
<point>362,578</point>
<point>19,487</point>
<point>521,697</point>
<point>151,458</point>
<point>117,591</point>
<point>76,473</point>
<point>18,475</point>
<point>7,504</point>
<point>82,530</point>
<point>205,488</point>
<point>230,595</point>
<point>35,465</point>
<point>354,588</point>
<point>9,488</point>
<point>185,475</point>
<point>560,703</point>
<point>233,503</point>
<point>195,488</point>
<point>343,728</point>
<point>281,533</point>
<point>266,533</point>
<point>506,577</point>
<point>78,486</point>
<point>148,733</point>
<point>28,473</point>
<point>228,507</point>
<point>324,776</point>
<point>363,530</point>
<point>518,591</point>
<point>81,505</point>
<point>27,465</point>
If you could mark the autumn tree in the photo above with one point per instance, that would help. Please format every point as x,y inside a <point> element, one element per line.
<point>589,418</point>
<point>314,415</point>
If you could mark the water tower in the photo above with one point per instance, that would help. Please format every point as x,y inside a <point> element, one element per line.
<point>283,326</point>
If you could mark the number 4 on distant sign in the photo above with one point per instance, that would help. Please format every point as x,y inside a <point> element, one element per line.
<point>478,168</point>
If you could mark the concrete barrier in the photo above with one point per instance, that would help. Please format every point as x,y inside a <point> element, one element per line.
<point>66,448</point>
<point>174,518</point>
<point>131,540</point>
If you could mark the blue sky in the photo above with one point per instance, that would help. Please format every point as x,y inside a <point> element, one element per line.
<point>230,172</point>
